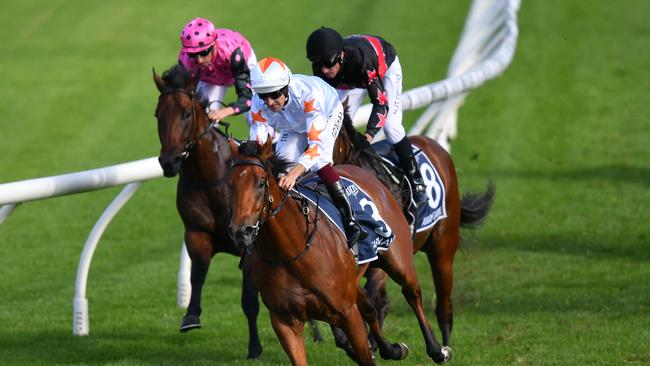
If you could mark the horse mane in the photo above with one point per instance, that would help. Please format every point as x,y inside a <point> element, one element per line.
<point>357,139</point>
<point>365,156</point>
<point>252,149</point>
<point>177,77</point>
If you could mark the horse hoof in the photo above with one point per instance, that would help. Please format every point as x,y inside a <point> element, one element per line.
<point>190,322</point>
<point>254,354</point>
<point>446,350</point>
<point>405,350</point>
<point>446,353</point>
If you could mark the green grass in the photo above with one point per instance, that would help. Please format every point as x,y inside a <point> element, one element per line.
<point>559,274</point>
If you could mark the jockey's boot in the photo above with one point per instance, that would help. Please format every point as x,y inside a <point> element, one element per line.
<point>410,168</point>
<point>353,231</point>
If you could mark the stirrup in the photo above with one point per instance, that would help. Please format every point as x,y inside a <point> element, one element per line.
<point>354,233</point>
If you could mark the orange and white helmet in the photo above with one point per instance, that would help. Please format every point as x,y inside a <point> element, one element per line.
<point>269,75</point>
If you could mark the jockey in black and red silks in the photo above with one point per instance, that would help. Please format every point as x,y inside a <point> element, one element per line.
<point>363,64</point>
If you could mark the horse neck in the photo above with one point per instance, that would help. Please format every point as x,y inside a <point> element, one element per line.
<point>208,161</point>
<point>283,236</point>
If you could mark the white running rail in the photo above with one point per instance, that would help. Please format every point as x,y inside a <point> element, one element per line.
<point>485,50</point>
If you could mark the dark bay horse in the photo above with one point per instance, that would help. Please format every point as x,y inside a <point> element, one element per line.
<point>200,155</point>
<point>302,265</point>
<point>439,242</point>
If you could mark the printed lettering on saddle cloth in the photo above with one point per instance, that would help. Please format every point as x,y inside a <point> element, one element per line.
<point>435,210</point>
<point>380,235</point>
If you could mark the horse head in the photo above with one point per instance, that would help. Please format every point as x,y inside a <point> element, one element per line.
<point>180,117</point>
<point>250,190</point>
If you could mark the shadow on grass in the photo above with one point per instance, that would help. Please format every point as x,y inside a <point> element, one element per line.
<point>633,249</point>
<point>129,347</point>
<point>613,173</point>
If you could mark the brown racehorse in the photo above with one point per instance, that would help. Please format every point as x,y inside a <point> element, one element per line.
<point>200,154</point>
<point>302,265</point>
<point>441,241</point>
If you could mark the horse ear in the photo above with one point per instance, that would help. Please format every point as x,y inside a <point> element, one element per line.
<point>158,80</point>
<point>267,148</point>
<point>233,146</point>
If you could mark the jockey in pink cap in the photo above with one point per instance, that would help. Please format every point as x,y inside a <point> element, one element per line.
<point>222,58</point>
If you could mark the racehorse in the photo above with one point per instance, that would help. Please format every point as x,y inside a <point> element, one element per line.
<point>199,153</point>
<point>438,242</point>
<point>301,262</point>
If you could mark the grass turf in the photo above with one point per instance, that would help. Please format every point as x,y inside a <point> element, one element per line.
<point>557,276</point>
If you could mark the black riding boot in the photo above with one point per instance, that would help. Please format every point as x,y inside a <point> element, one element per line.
<point>353,231</point>
<point>410,167</point>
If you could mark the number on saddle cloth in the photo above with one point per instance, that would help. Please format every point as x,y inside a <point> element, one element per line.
<point>380,235</point>
<point>427,215</point>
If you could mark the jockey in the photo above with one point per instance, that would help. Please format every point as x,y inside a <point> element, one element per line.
<point>308,114</point>
<point>362,64</point>
<point>223,58</point>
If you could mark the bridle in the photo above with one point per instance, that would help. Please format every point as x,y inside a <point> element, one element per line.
<point>266,207</point>
<point>268,198</point>
<point>190,144</point>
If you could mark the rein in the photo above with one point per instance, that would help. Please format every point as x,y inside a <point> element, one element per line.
<point>269,198</point>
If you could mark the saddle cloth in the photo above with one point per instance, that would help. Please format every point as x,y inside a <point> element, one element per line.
<point>435,210</point>
<point>380,235</point>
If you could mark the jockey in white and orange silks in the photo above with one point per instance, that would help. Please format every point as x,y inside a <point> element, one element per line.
<point>308,115</point>
<point>223,58</point>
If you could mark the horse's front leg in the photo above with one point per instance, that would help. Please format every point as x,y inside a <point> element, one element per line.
<point>289,331</point>
<point>251,306</point>
<point>199,248</point>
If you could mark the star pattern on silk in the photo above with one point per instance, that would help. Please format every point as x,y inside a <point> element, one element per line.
<point>312,135</point>
<point>257,116</point>
<point>314,132</point>
<point>382,97</point>
<point>312,152</point>
<point>309,105</point>
<point>382,119</point>
<point>372,75</point>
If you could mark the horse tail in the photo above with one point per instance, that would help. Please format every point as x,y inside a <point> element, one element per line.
<point>474,207</point>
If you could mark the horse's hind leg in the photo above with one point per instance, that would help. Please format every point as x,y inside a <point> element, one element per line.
<point>289,332</point>
<point>387,350</point>
<point>199,248</point>
<point>251,306</point>
<point>441,259</point>
<point>400,268</point>
<point>355,330</point>
<point>376,290</point>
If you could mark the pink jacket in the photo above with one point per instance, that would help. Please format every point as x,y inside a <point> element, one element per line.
<point>220,72</point>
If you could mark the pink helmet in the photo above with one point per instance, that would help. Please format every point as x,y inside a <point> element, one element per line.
<point>197,35</point>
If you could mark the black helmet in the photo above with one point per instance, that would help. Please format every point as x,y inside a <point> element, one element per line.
<point>323,43</point>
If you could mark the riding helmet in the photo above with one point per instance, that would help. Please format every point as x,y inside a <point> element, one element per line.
<point>323,43</point>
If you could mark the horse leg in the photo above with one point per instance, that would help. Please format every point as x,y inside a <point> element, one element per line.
<point>289,332</point>
<point>441,259</point>
<point>315,331</point>
<point>341,341</point>
<point>251,306</point>
<point>199,248</point>
<point>402,271</point>
<point>387,351</point>
<point>376,291</point>
<point>355,330</point>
